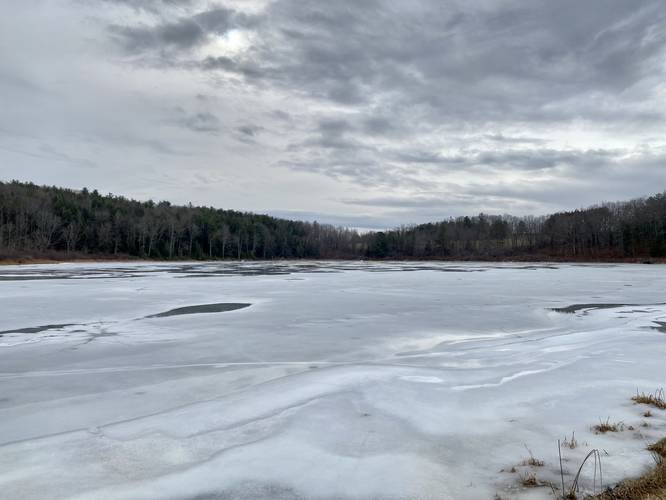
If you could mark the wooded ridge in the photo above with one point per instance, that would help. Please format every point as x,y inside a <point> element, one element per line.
<point>40,221</point>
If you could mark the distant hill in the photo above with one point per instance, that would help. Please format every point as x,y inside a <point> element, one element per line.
<point>50,222</point>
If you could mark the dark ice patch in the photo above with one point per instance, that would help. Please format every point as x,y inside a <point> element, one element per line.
<point>251,490</point>
<point>661,326</point>
<point>574,308</point>
<point>36,329</point>
<point>201,309</point>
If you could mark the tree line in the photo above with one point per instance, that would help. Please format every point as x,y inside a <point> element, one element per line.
<point>41,221</point>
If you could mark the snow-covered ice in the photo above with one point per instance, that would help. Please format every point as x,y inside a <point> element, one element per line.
<point>339,380</point>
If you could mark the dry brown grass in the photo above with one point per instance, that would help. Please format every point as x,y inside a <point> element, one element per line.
<point>529,480</point>
<point>532,462</point>
<point>657,399</point>
<point>659,448</point>
<point>608,426</point>
<point>650,486</point>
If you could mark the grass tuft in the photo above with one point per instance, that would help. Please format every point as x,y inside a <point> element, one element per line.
<point>608,426</point>
<point>656,399</point>
<point>659,448</point>
<point>532,462</point>
<point>529,480</point>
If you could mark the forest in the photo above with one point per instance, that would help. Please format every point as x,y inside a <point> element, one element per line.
<point>51,222</point>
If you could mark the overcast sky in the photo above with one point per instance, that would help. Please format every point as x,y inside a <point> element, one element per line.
<point>356,112</point>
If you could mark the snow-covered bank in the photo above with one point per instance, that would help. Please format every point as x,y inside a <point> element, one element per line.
<point>340,380</point>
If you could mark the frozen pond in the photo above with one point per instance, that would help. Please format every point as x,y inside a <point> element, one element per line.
<point>323,380</point>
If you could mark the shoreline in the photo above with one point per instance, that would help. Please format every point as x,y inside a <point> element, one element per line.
<point>649,486</point>
<point>20,261</point>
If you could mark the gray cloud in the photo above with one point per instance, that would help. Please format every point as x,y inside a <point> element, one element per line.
<point>249,130</point>
<point>501,138</point>
<point>462,61</point>
<point>514,159</point>
<point>50,154</point>
<point>149,5</point>
<point>202,121</point>
<point>182,34</point>
<point>506,59</point>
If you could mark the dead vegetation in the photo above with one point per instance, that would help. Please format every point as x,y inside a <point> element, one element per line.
<point>529,480</point>
<point>532,462</point>
<point>572,492</point>
<point>607,426</point>
<point>656,399</point>
<point>659,448</point>
<point>649,486</point>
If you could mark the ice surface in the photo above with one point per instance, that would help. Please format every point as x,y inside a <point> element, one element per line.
<point>341,380</point>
